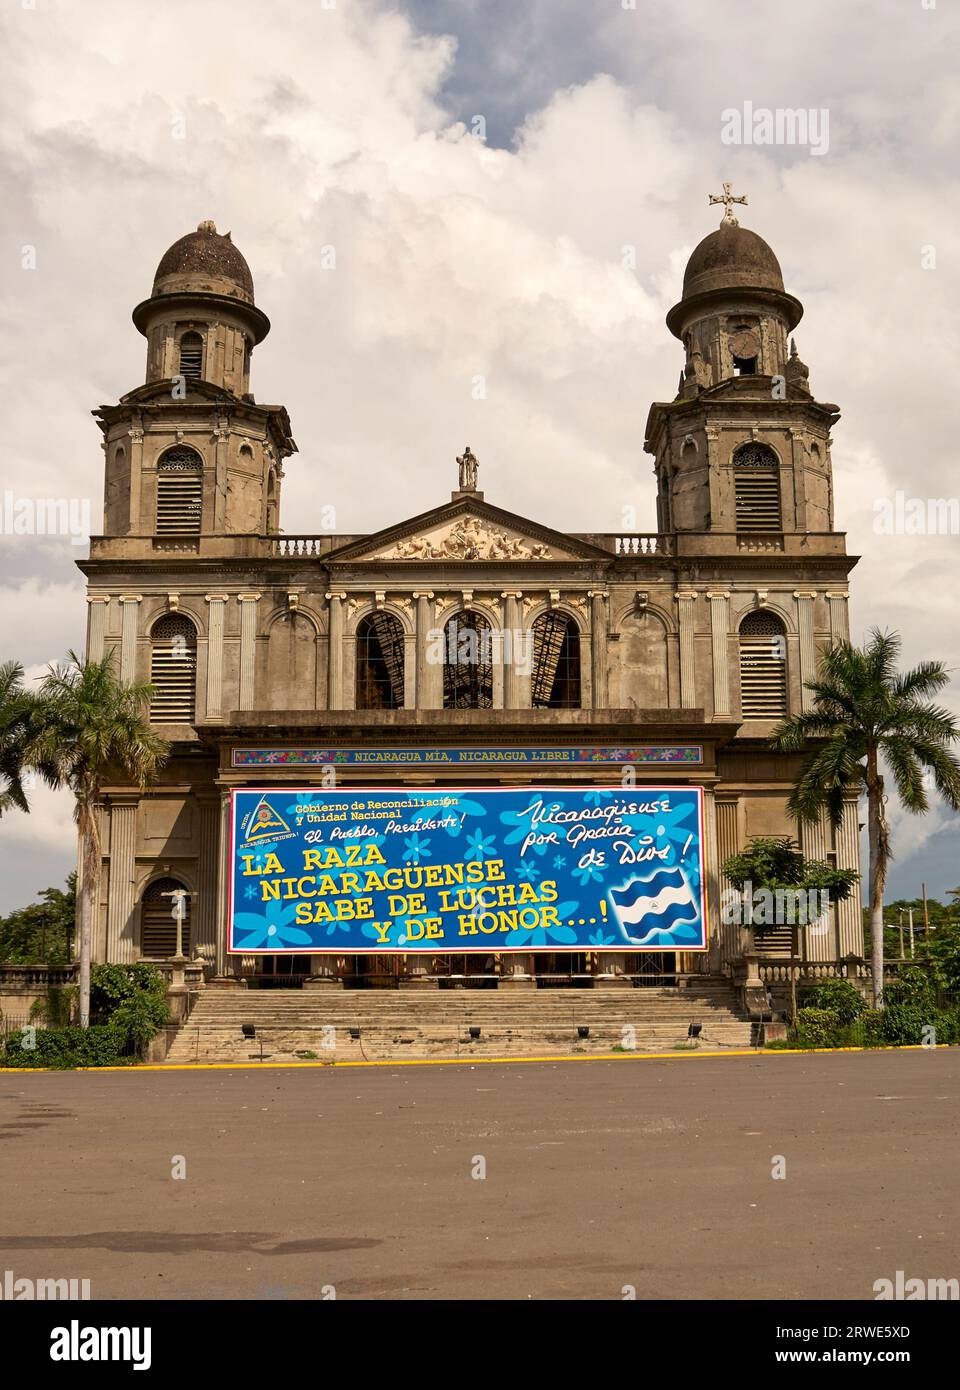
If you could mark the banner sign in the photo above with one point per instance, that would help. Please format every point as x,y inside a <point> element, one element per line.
<point>461,757</point>
<point>464,869</point>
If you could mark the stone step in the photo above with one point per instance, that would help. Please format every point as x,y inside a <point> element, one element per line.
<point>434,1023</point>
<point>376,1045</point>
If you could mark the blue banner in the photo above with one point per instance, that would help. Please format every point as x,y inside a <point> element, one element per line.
<point>466,869</point>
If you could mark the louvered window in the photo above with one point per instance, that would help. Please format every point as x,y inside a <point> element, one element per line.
<point>179,492</point>
<point>763,667</point>
<point>757,484</point>
<point>555,679</point>
<point>158,924</point>
<point>191,356</point>
<point>776,941</point>
<point>173,670</point>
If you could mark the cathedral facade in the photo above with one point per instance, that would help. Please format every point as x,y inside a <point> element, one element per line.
<point>468,646</point>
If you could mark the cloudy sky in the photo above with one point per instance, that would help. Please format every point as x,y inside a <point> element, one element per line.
<point>478,167</point>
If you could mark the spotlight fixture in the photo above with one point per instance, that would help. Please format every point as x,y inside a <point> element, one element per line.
<point>354,1033</point>
<point>474,1032</point>
<point>694,1030</point>
<point>248,1030</point>
<point>583,1030</point>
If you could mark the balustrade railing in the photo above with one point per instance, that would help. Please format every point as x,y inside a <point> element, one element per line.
<point>27,977</point>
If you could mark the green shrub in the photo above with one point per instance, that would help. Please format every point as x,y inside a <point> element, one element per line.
<point>902,1025</point>
<point>111,985</point>
<point>127,1007</point>
<point>942,949</point>
<point>98,1046</point>
<point>817,1027</point>
<point>947,1026</point>
<point>55,1006</point>
<point>912,987</point>
<point>838,996</point>
<point>138,1019</point>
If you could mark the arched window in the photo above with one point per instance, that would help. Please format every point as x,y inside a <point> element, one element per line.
<point>757,484</point>
<point>467,662</point>
<point>179,492</point>
<point>158,921</point>
<point>191,356</point>
<point>379,662</point>
<point>763,667</point>
<point>555,677</point>
<point>173,670</point>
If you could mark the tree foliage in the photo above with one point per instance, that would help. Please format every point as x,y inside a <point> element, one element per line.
<point>43,931</point>
<point>866,717</point>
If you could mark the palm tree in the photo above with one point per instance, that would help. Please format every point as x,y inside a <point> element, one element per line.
<point>864,712</point>
<point>88,724</point>
<point>16,709</point>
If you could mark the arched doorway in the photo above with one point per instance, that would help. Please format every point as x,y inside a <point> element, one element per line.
<point>158,920</point>
<point>379,674</point>
<point>467,662</point>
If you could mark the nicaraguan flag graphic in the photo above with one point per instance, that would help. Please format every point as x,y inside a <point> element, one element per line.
<point>658,911</point>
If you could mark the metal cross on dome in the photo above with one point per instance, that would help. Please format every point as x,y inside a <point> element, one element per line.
<point>728,201</point>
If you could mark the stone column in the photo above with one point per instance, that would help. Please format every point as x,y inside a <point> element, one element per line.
<point>516,971</point>
<point>598,647</point>
<point>732,936</point>
<point>323,973</point>
<point>128,636</point>
<point>422,671</point>
<point>225,972</point>
<point>218,603</point>
<point>609,968</point>
<point>819,938</point>
<point>709,960</point>
<point>511,627</point>
<point>122,894</point>
<point>806,600</point>
<point>849,916</point>
<point>719,631</point>
<point>409,670</point>
<point>221,487</point>
<point>418,972</point>
<point>138,522</point>
<point>839,617</point>
<point>798,458</point>
<point>98,932</point>
<point>206,915</point>
<point>335,649</point>
<point>248,648</point>
<point>686,610</point>
<point>96,626</point>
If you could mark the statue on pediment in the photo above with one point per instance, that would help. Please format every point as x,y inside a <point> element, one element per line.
<point>469,467</point>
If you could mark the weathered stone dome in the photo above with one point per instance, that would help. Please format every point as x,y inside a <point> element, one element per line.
<point>732,257</point>
<point>206,262</point>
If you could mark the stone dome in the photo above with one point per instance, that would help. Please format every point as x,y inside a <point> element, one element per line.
<point>731,258</point>
<point>206,262</point>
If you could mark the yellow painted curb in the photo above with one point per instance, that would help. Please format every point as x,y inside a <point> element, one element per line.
<point>477,1061</point>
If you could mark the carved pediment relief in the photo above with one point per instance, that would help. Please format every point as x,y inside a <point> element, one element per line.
<point>470,538</point>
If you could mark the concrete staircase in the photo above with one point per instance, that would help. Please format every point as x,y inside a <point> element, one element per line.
<point>301,1025</point>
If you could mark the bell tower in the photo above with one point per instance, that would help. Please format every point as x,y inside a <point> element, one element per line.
<point>744,449</point>
<point>190,453</point>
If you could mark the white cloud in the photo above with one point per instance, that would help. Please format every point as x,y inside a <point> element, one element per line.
<point>326,127</point>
